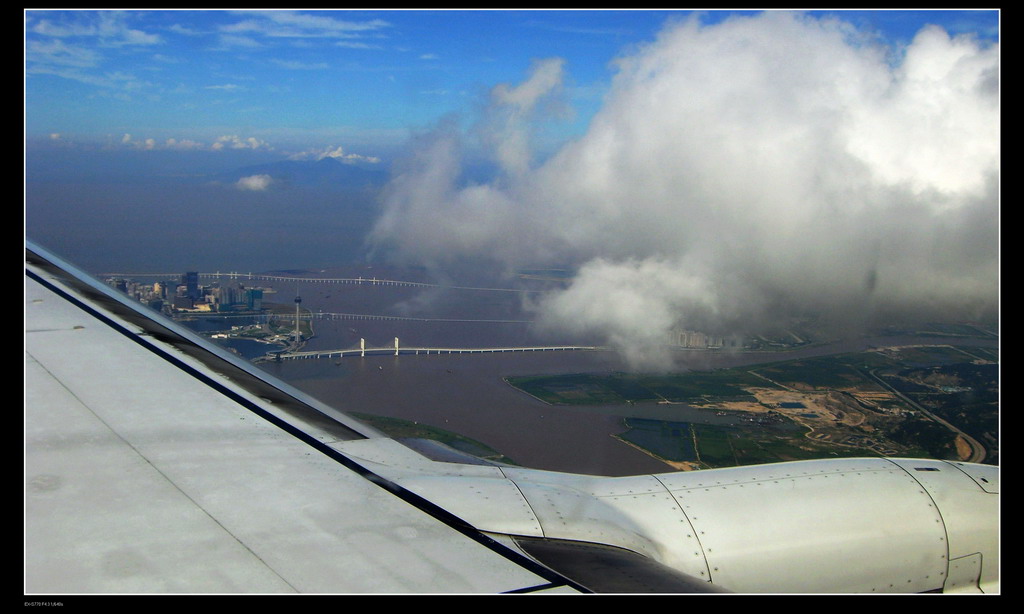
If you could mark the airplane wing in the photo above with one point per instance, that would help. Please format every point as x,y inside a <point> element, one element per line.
<point>149,471</point>
<point>157,463</point>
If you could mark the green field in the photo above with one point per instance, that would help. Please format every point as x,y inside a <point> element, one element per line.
<point>827,372</point>
<point>724,446</point>
<point>622,388</point>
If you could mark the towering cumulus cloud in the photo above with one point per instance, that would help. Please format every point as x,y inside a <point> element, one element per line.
<point>737,175</point>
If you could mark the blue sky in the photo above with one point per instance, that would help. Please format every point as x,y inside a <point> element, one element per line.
<point>712,173</point>
<point>361,80</point>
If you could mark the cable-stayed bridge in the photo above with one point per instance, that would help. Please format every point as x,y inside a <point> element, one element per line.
<point>397,350</point>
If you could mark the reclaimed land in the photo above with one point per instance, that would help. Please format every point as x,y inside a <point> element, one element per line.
<point>930,401</point>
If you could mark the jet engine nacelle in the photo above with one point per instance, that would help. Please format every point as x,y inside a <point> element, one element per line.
<point>839,526</point>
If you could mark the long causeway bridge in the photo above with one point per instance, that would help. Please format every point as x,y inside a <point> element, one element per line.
<point>396,350</point>
<point>360,281</point>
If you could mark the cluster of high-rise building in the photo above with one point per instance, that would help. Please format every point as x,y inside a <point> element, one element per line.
<point>697,340</point>
<point>186,294</point>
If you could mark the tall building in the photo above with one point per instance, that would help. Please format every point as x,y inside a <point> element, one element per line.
<point>164,289</point>
<point>191,282</point>
<point>230,294</point>
<point>254,299</point>
<point>694,339</point>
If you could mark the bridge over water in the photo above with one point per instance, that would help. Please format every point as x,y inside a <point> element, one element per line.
<point>369,281</point>
<point>397,350</point>
<point>325,315</point>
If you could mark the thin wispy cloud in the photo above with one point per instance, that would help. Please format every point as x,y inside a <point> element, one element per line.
<point>120,83</point>
<point>229,41</point>
<point>85,47</point>
<point>109,28</point>
<point>576,29</point>
<point>356,45</point>
<point>178,28</point>
<point>296,65</point>
<point>291,24</point>
<point>51,53</point>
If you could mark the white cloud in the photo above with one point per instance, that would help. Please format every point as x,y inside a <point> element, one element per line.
<point>337,153</point>
<point>144,144</point>
<point>236,142</point>
<point>255,183</point>
<point>738,174</point>
<point>931,130</point>
<point>513,110</point>
<point>632,303</point>
<point>183,144</point>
